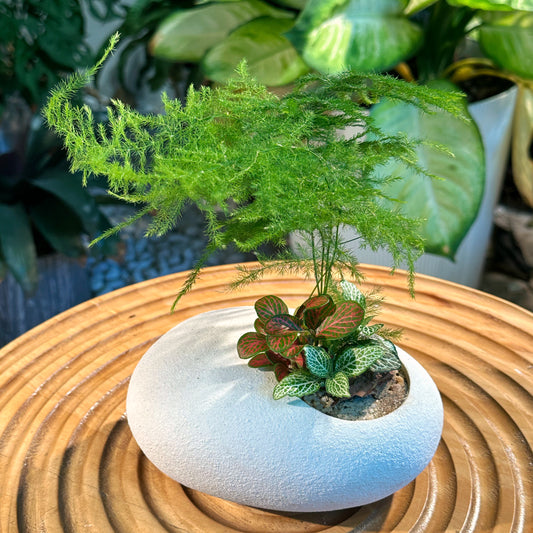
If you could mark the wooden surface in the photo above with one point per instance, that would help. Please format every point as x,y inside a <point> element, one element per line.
<point>68,461</point>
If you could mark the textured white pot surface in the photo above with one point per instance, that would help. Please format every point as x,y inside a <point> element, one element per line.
<point>207,420</point>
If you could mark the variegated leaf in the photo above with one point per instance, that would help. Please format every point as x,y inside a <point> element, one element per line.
<point>251,344</point>
<point>299,383</point>
<point>342,322</point>
<point>282,325</point>
<point>389,360</point>
<point>346,362</point>
<point>259,326</point>
<point>270,306</point>
<point>316,309</point>
<point>281,371</point>
<point>350,291</point>
<point>368,331</point>
<point>318,361</point>
<point>281,343</point>
<point>364,355</point>
<point>338,385</point>
<point>294,351</point>
<point>259,361</point>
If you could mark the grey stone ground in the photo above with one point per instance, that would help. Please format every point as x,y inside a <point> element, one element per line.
<point>508,272</point>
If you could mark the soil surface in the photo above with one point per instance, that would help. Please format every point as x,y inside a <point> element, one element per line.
<point>387,396</point>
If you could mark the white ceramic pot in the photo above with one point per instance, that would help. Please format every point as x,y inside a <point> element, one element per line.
<point>207,420</point>
<point>493,117</point>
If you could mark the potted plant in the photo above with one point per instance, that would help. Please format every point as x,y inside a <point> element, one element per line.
<point>259,167</point>
<point>47,217</point>
<point>422,40</point>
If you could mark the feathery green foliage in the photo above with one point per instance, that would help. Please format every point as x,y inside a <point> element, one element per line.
<point>258,166</point>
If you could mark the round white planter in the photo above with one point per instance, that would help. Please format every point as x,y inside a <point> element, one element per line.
<point>207,420</point>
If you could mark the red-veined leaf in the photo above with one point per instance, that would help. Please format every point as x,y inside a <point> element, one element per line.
<point>281,343</point>
<point>342,322</point>
<point>294,350</point>
<point>318,309</point>
<point>251,344</point>
<point>300,360</point>
<point>259,326</point>
<point>270,306</point>
<point>281,371</point>
<point>282,325</point>
<point>276,357</point>
<point>259,360</point>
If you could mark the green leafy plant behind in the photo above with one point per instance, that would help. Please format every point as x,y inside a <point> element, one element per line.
<point>259,166</point>
<point>324,345</point>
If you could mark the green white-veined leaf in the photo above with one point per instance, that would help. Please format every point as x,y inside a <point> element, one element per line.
<point>251,344</point>
<point>368,331</point>
<point>345,319</point>
<point>281,343</point>
<point>318,361</point>
<point>299,383</point>
<point>270,56</point>
<point>364,35</point>
<point>350,291</point>
<point>338,385</point>
<point>449,206</point>
<point>269,306</point>
<point>188,34</point>
<point>507,39</point>
<point>388,362</point>
<point>355,360</point>
<point>17,247</point>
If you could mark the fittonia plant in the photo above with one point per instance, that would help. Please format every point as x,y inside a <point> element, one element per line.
<point>261,167</point>
<point>322,346</point>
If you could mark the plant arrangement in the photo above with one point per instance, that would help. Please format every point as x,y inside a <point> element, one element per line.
<point>223,150</point>
<point>420,39</point>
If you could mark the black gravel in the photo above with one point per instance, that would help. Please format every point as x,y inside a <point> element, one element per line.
<point>143,258</point>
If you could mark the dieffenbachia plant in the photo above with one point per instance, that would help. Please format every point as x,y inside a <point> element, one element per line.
<point>323,345</point>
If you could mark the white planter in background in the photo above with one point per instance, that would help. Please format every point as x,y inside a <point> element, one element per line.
<point>207,420</point>
<point>494,119</point>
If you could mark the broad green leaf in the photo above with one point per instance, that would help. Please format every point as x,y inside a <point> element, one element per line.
<point>318,361</point>
<point>356,360</point>
<point>350,291</point>
<point>259,361</point>
<point>17,247</point>
<point>251,344</point>
<point>448,205</point>
<point>69,189</point>
<point>188,34</point>
<point>282,325</point>
<point>415,6</point>
<point>507,39</point>
<point>281,343</point>
<point>270,306</point>
<point>59,226</point>
<point>364,35</point>
<point>522,136</point>
<point>270,56</point>
<point>342,322</point>
<point>338,385</point>
<point>299,383</point>
<point>495,5</point>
